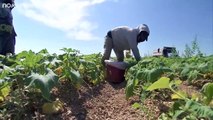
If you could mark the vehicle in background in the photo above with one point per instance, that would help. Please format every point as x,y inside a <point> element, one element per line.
<point>165,52</point>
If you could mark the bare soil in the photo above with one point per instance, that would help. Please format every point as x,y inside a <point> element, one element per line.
<point>103,102</point>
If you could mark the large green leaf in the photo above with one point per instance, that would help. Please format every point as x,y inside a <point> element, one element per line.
<point>207,90</point>
<point>163,82</point>
<point>76,78</point>
<point>179,94</point>
<point>43,82</point>
<point>156,73</point>
<point>129,91</point>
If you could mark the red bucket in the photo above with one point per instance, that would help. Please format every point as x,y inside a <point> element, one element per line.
<point>115,74</point>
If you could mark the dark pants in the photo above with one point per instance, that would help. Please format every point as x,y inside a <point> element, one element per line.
<point>7,44</point>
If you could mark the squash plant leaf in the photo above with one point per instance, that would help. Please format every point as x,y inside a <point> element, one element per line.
<point>76,78</point>
<point>43,82</point>
<point>163,82</point>
<point>129,91</point>
<point>155,73</point>
<point>177,96</point>
<point>207,91</point>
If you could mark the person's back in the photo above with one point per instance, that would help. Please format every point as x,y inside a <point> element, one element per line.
<point>124,38</point>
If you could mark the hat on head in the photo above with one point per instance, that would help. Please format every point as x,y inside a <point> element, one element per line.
<point>144,27</point>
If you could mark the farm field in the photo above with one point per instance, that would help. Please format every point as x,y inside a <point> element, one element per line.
<point>72,86</point>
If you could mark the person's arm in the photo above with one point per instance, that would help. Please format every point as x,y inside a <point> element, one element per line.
<point>136,53</point>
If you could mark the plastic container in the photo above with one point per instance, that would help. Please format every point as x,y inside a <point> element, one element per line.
<point>115,71</point>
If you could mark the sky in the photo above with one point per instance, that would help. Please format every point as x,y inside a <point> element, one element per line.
<point>83,24</point>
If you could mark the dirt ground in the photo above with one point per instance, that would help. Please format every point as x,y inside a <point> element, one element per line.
<point>103,102</point>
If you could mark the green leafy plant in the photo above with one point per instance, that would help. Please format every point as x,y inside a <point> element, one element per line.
<point>207,92</point>
<point>187,108</point>
<point>91,68</point>
<point>142,73</point>
<point>151,75</point>
<point>71,63</point>
<point>43,82</point>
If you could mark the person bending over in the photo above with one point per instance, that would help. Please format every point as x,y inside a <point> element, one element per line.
<point>124,38</point>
